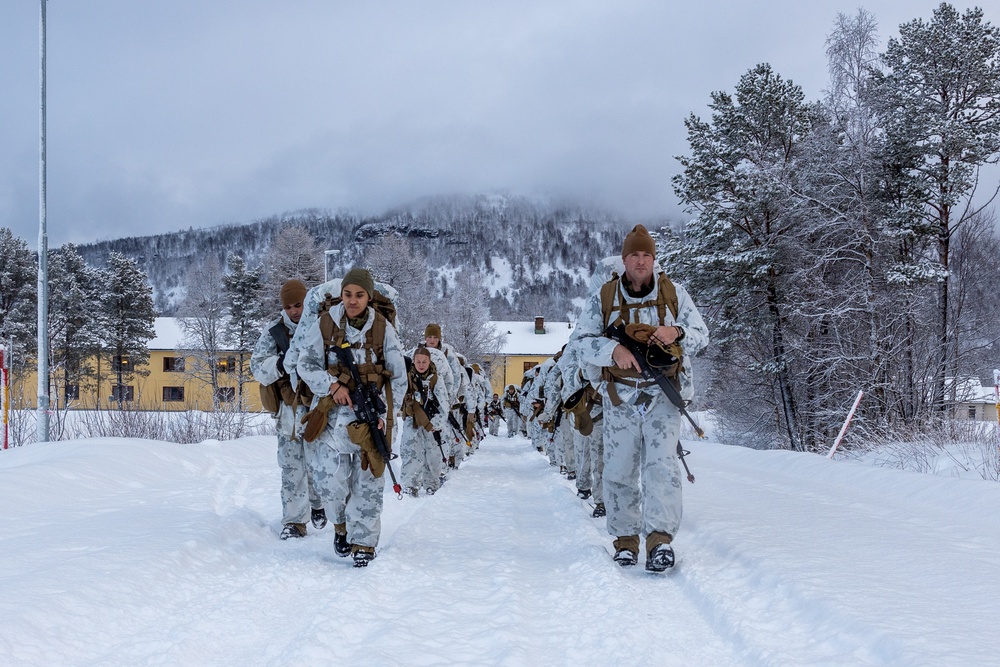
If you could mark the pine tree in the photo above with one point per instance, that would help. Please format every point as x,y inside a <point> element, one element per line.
<point>939,103</point>
<point>74,321</point>
<point>18,281</point>
<point>747,231</point>
<point>127,320</point>
<point>243,288</point>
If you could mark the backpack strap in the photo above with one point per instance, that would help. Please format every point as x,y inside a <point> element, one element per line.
<point>666,298</point>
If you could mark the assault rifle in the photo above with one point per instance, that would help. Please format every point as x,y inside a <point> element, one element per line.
<point>459,431</point>
<point>368,405</point>
<point>432,408</point>
<point>642,354</point>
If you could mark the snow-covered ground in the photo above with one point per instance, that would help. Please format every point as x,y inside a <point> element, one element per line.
<point>135,552</point>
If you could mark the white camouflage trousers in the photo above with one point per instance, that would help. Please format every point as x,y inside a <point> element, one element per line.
<point>589,450</point>
<point>494,425</point>
<point>352,494</point>
<point>298,496</point>
<point>513,421</point>
<point>420,466</point>
<point>642,481</point>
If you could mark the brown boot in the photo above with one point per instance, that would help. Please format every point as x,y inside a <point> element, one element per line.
<point>293,530</point>
<point>362,555</point>
<point>627,550</point>
<point>659,553</point>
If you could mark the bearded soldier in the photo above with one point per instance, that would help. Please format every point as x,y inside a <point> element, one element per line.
<point>348,469</point>
<point>267,366</point>
<point>642,482</point>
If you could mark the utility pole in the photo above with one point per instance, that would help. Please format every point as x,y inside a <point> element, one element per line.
<point>42,421</point>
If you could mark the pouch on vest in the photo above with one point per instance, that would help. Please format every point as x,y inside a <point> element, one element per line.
<point>270,397</point>
<point>360,434</point>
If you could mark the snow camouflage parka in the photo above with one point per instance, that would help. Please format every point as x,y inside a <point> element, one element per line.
<point>312,368</point>
<point>346,489</point>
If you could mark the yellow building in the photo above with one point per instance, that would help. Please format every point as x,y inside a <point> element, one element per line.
<point>173,382</point>
<point>527,344</point>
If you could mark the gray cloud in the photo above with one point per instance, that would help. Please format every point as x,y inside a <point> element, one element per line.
<point>163,116</point>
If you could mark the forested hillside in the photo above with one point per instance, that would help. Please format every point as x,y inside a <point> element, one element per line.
<point>535,257</point>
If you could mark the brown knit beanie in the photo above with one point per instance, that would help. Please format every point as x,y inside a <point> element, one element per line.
<point>293,292</point>
<point>361,278</point>
<point>433,330</point>
<point>638,240</point>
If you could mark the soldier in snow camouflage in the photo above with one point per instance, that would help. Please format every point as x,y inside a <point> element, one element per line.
<point>642,482</point>
<point>340,476</point>
<point>266,363</point>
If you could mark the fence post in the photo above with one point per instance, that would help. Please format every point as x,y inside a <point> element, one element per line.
<point>843,430</point>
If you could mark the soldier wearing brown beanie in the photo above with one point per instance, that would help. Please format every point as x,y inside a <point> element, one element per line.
<point>640,422</point>
<point>299,500</point>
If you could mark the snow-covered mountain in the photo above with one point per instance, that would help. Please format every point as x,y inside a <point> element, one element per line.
<point>534,256</point>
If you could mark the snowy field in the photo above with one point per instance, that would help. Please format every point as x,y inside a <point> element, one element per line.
<point>136,552</point>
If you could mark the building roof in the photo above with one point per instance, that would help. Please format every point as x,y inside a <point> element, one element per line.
<point>169,334</point>
<point>521,336</point>
<point>522,339</point>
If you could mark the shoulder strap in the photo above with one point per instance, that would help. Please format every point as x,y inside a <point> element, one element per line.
<point>608,290</point>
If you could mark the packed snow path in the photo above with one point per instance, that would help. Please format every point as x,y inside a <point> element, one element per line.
<point>137,552</point>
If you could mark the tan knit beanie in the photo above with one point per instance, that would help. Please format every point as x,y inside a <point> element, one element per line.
<point>293,292</point>
<point>638,240</point>
<point>433,330</point>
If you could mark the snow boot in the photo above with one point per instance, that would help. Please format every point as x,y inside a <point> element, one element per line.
<point>599,511</point>
<point>319,518</point>
<point>414,491</point>
<point>340,544</point>
<point>583,494</point>
<point>362,555</point>
<point>571,475</point>
<point>660,558</point>
<point>293,530</point>
<point>627,550</point>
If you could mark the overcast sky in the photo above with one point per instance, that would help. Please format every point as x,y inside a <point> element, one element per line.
<point>193,113</point>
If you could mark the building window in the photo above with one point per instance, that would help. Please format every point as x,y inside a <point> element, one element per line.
<point>528,365</point>
<point>173,364</point>
<point>225,394</point>
<point>227,365</point>
<point>121,363</point>
<point>972,412</point>
<point>173,394</point>
<point>124,393</point>
<point>72,392</point>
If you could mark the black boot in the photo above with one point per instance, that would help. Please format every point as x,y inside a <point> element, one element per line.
<point>583,494</point>
<point>599,510</point>
<point>318,518</point>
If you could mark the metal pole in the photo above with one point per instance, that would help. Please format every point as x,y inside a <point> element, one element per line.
<point>42,421</point>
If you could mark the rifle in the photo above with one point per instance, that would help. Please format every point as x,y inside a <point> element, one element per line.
<point>432,407</point>
<point>618,334</point>
<point>437,439</point>
<point>367,407</point>
<point>459,431</point>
